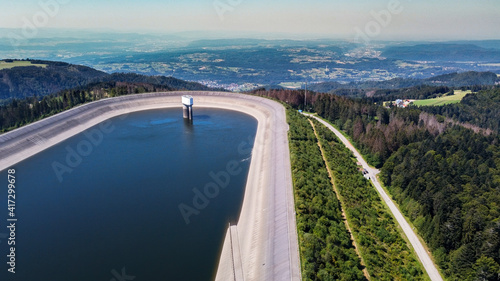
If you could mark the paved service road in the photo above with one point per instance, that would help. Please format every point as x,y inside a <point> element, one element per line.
<point>412,237</point>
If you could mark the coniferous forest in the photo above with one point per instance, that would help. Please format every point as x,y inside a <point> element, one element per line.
<point>386,254</point>
<point>19,112</point>
<point>327,251</point>
<point>326,248</point>
<point>440,165</point>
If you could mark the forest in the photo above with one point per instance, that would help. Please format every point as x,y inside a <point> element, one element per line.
<point>327,252</point>
<point>376,130</point>
<point>449,187</point>
<point>384,251</point>
<point>19,112</point>
<point>444,176</point>
<point>326,248</point>
<point>29,81</point>
<point>479,109</point>
<point>464,79</point>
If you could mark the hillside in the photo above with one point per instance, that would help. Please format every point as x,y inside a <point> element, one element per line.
<point>462,79</point>
<point>31,93</point>
<point>444,176</point>
<point>442,52</point>
<point>19,112</point>
<point>27,81</point>
<point>481,109</point>
<point>160,81</point>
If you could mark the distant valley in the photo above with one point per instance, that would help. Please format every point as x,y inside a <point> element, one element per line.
<point>243,64</point>
<point>28,78</point>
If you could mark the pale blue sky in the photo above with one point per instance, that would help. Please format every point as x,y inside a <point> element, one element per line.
<point>419,19</point>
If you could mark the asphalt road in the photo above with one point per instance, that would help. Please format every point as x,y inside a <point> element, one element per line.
<point>422,254</point>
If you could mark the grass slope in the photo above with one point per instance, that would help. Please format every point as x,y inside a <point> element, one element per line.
<point>9,65</point>
<point>455,98</point>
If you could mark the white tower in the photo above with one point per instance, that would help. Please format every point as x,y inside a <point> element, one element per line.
<point>187,101</point>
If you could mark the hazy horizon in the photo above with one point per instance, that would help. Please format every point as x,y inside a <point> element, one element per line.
<point>194,35</point>
<point>392,20</point>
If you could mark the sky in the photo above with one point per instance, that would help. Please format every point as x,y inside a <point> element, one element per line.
<point>374,19</point>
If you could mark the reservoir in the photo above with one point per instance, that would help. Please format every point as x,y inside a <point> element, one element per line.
<point>144,196</point>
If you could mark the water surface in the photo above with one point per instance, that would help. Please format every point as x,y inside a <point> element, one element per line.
<point>103,208</point>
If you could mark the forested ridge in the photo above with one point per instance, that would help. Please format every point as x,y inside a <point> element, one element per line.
<point>19,112</point>
<point>445,177</point>
<point>463,79</point>
<point>377,131</point>
<point>417,93</point>
<point>449,187</point>
<point>481,109</point>
<point>28,81</point>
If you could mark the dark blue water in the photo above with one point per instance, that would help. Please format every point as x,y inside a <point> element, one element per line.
<point>106,205</point>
